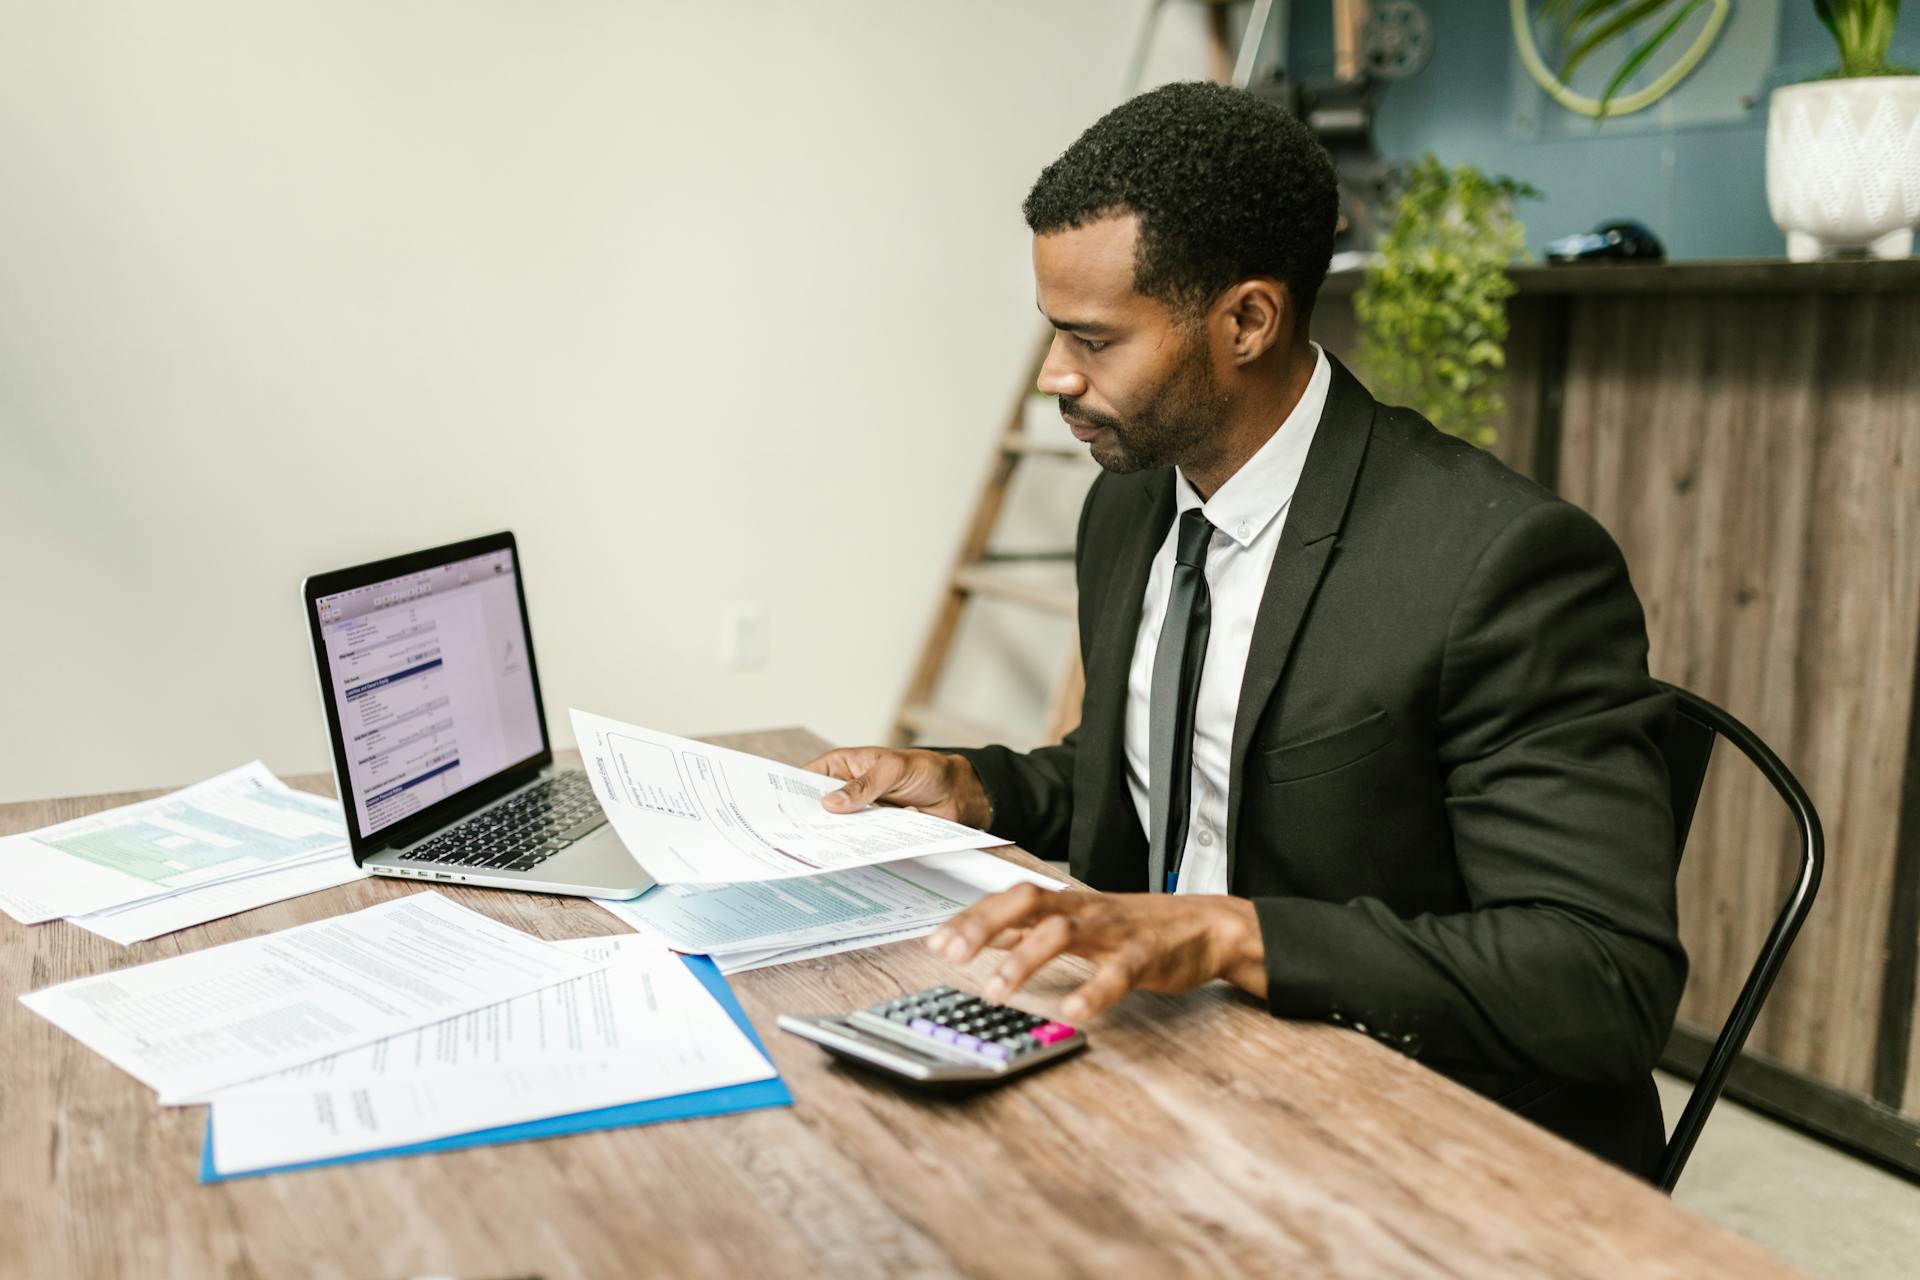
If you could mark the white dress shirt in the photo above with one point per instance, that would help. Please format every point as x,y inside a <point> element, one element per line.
<point>1247,514</point>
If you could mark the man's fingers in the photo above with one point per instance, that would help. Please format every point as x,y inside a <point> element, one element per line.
<point>846,764</point>
<point>912,779</point>
<point>1022,906</point>
<point>879,776</point>
<point>841,763</point>
<point>1043,942</point>
<point>1099,993</point>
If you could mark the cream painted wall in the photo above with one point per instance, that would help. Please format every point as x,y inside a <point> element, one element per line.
<point>715,305</point>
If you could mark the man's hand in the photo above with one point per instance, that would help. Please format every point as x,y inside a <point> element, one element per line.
<point>1158,942</point>
<point>942,785</point>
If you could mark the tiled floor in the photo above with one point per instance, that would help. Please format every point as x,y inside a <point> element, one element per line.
<point>1824,1211</point>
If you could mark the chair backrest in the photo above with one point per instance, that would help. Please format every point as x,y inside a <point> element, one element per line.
<point>1687,748</point>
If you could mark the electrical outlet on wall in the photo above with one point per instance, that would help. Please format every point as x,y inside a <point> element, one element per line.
<point>745,638</point>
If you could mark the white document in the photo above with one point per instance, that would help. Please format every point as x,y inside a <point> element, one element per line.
<point>719,920</point>
<point>241,821</point>
<point>986,874</point>
<point>645,996</point>
<point>980,873</point>
<point>185,908</point>
<point>697,814</point>
<point>192,1024</point>
<point>650,1031</point>
<point>742,961</point>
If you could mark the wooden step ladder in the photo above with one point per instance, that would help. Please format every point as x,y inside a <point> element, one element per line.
<point>979,573</point>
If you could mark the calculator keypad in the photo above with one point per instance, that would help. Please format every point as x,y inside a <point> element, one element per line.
<point>943,1018</point>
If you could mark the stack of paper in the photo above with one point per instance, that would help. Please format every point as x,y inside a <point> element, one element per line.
<point>748,926</point>
<point>752,871</point>
<point>641,1029</point>
<point>231,843</point>
<point>194,1024</point>
<point>413,1022</point>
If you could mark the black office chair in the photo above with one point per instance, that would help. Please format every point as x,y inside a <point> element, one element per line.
<point>1688,745</point>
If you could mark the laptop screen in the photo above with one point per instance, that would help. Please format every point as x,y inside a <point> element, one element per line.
<point>431,682</point>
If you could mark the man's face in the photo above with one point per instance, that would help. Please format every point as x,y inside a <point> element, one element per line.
<point>1135,382</point>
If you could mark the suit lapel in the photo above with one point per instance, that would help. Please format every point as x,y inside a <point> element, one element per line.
<point>1306,544</point>
<point>1102,766</point>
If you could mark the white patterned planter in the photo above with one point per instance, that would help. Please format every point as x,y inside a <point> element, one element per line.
<point>1843,165</point>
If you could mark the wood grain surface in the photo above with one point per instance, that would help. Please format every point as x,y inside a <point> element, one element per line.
<point>1763,480</point>
<point>1198,1136</point>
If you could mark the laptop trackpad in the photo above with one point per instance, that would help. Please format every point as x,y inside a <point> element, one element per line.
<point>598,858</point>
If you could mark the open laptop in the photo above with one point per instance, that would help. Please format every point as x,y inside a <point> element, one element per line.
<point>440,747</point>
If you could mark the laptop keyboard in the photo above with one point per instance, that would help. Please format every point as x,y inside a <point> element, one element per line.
<point>520,834</point>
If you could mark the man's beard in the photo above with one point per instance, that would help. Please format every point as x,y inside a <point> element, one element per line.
<point>1179,424</point>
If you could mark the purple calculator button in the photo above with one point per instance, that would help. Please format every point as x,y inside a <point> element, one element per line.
<point>921,1025</point>
<point>964,1041</point>
<point>998,1052</point>
<point>943,1034</point>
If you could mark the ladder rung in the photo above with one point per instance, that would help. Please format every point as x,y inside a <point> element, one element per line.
<point>979,581</point>
<point>1019,442</point>
<point>954,731</point>
<point>1027,557</point>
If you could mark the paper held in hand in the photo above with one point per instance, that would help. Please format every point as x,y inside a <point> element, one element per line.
<point>698,814</point>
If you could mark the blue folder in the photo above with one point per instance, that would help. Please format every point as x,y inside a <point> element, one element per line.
<point>708,1102</point>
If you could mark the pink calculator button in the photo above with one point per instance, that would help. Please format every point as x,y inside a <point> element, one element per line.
<point>1048,1032</point>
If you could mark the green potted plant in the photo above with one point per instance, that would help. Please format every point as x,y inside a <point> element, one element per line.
<point>1843,151</point>
<point>1432,309</point>
<point>1583,29</point>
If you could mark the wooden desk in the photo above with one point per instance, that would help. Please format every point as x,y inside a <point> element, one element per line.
<point>1200,1136</point>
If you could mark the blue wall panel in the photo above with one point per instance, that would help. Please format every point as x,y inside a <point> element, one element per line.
<point>1701,187</point>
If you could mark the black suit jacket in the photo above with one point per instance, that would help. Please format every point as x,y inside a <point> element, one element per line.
<point>1447,801</point>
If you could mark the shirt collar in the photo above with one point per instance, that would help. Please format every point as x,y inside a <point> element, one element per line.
<point>1264,484</point>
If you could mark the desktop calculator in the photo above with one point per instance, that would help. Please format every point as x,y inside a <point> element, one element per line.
<point>941,1037</point>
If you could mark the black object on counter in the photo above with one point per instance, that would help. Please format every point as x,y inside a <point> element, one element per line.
<point>1624,240</point>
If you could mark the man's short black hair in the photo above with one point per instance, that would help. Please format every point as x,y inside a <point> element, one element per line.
<point>1227,187</point>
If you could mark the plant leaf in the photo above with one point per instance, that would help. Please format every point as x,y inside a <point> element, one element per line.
<point>1825,10</point>
<point>1645,51</point>
<point>1588,12</point>
<point>1632,13</point>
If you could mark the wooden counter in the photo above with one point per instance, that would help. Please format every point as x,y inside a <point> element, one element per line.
<point>1850,276</point>
<point>1750,433</point>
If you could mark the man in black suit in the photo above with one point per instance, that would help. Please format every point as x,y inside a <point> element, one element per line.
<point>1367,730</point>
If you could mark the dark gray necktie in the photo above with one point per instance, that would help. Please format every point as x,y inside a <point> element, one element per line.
<point>1176,690</point>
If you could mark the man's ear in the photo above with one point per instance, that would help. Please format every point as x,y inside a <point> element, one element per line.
<point>1258,316</point>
